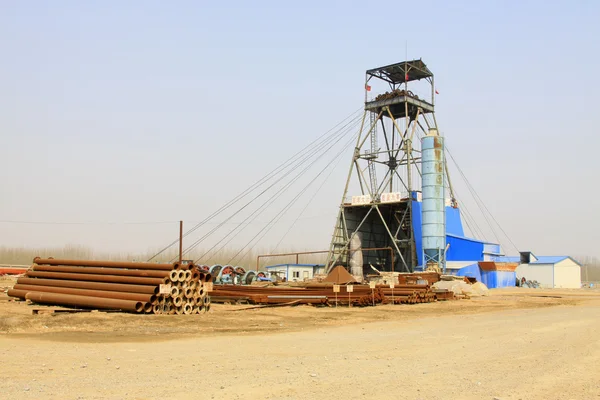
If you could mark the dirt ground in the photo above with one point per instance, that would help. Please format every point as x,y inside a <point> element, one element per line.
<point>514,344</point>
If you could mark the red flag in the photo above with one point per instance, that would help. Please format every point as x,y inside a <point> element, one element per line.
<point>436,92</point>
<point>368,88</point>
<point>406,77</point>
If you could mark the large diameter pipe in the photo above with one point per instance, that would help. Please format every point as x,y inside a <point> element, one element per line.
<point>97,278</point>
<point>85,292</point>
<point>17,293</point>
<point>115,287</point>
<point>84,301</point>
<point>102,271</point>
<point>105,264</point>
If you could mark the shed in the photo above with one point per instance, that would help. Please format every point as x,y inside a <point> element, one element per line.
<point>550,271</point>
<point>296,272</point>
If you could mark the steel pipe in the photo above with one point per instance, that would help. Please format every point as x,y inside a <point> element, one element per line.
<point>105,264</point>
<point>84,301</point>
<point>86,292</point>
<point>102,271</point>
<point>115,287</point>
<point>97,278</point>
<point>173,275</point>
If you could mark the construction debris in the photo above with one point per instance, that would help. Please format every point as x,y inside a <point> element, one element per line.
<point>109,285</point>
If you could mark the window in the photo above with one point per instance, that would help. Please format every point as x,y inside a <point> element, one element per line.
<point>296,274</point>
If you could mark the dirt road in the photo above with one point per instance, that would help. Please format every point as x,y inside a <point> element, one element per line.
<point>523,347</point>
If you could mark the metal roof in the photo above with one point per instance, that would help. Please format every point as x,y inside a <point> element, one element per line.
<point>509,259</point>
<point>396,73</point>
<point>549,259</point>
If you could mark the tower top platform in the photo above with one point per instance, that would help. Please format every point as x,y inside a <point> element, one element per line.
<point>397,73</point>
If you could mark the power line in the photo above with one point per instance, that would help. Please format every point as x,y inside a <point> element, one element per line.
<point>85,223</point>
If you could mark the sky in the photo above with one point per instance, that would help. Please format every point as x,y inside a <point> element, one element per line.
<point>118,119</point>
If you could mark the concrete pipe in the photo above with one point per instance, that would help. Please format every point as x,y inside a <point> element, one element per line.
<point>115,287</point>
<point>187,308</point>
<point>85,301</point>
<point>85,292</point>
<point>105,264</point>
<point>102,271</point>
<point>96,278</point>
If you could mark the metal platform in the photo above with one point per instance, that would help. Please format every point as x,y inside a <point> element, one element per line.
<point>398,108</point>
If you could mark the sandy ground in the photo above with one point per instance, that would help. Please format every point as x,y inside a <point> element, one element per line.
<point>515,344</point>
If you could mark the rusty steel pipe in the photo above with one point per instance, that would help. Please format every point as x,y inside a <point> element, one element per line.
<point>97,278</point>
<point>173,275</point>
<point>102,271</point>
<point>196,276</point>
<point>181,276</point>
<point>105,264</point>
<point>115,287</point>
<point>17,293</point>
<point>85,292</point>
<point>148,308</point>
<point>208,277</point>
<point>84,301</point>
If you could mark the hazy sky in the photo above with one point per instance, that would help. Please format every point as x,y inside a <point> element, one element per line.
<point>154,111</point>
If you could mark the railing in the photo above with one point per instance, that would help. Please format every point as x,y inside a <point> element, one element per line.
<point>299,253</point>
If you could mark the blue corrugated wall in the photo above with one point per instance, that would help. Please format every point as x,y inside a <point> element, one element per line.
<point>498,279</point>
<point>453,226</point>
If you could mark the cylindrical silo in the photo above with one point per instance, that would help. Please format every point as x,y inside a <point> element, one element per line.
<point>433,206</point>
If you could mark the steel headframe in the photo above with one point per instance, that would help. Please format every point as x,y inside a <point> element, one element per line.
<point>402,118</point>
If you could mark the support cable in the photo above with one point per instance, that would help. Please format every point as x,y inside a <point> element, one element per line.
<point>300,163</point>
<point>315,143</point>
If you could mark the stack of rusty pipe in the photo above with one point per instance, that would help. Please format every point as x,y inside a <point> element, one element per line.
<point>323,294</point>
<point>126,286</point>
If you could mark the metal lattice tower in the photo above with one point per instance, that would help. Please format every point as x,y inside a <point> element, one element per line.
<point>380,211</point>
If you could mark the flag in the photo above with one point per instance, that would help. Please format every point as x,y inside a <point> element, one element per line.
<point>368,88</point>
<point>436,92</point>
<point>406,77</point>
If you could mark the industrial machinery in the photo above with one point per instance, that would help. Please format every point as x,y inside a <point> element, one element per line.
<point>398,142</point>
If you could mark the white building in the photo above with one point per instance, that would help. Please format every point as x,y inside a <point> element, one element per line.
<point>550,272</point>
<point>295,272</point>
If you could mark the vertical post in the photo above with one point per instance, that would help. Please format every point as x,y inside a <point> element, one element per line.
<point>297,258</point>
<point>180,241</point>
